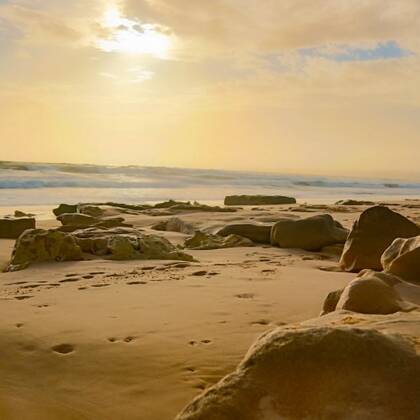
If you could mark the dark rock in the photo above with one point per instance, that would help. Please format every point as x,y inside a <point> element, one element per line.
<point>12,228</point>
<point>257,200</point>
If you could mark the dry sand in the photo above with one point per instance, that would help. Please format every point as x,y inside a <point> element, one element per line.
<point>139,339</point>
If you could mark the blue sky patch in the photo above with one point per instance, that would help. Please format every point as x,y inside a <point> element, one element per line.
<point>382,51</point>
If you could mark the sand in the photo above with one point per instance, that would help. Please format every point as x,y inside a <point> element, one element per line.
<point>139,339</point>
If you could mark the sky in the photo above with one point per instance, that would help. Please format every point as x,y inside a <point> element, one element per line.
<point>322,87</point>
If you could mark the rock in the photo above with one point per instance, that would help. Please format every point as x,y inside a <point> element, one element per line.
<point>19,213</point>
<point>202,241</point>
<point>257,200</point>
<point>372,233</point>
<point>373,293</point>
<point>122,247</point>
<point>91,210</point>
<point>127,244</point>
<point>330,302</point>
<point>12,228</point>
<point>65,208</point>
<point>77,219</point>
<point>171,203</point>
<point>310,234</point>
<point>39,245</point>
<point>402,258</point>
<point>255,233</point>
<point>310,372</point>
<point>174,224</point>
<point>354,203</point>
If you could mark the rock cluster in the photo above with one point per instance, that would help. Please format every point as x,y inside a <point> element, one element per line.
<point>257,200</point>
<point>40,245</point>
<point>371,235</point>
<point>370,293</point>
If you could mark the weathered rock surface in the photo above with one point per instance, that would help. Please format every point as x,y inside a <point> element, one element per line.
<point>372,233</point>
<point>202,241</point>
<point>257,200</point>
<point>311,234</point>
<point>91,210</point>
<point>12,228</point>
<point>402,258</point>
<point>319,372</point>
<point>66,208</point>
<point>370,293</point>
<point>39,245</point>
<point>127,244</point>
<point>174,224</point>
<point>77,219</point>
<point>19,213</point>
<point>256,233</point>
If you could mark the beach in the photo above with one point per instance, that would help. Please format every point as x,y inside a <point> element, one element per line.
<point>139,339</point>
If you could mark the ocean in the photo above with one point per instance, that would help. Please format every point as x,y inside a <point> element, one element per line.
<point>44,184</point>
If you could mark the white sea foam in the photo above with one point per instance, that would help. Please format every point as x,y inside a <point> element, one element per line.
<point>21,183</point>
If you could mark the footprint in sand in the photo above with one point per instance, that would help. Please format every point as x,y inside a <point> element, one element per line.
<point>19,325</point>
<point>245,295</point>
<point>63,348</point>
<point>129,339</point>
<point>71,275</point>
<point>70,280</point>
<point>136,282</point>
<point>88,277</point>
<point>42,306</point>
<point>268,270</point>
<point>199,273</point>
<point>82,288</point>
<point>206,341</point>
<point>31,286</point>
<point>16,283</point>
<point>23,297</point>
<point>101,285</point>
<point>97,273</point>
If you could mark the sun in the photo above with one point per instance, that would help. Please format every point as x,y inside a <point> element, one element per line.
<point>132,37</point>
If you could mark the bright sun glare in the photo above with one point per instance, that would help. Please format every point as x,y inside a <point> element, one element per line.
<point>131,37</point>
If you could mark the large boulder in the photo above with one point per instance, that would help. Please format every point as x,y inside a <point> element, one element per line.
<point>372,233</point>
<point>202,241</point>
<point>66,208</point>
<point>310,372</point>
<point>12,228</point>
<point>39,245</point>
<point>174,224</point>
<point>257,200</point>
<point>402,258</point>
<point>311,234</point>
<point>256,233</point>
<point>370,293</point>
